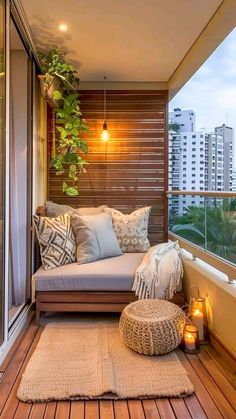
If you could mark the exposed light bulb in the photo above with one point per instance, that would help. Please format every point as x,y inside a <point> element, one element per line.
<point>63,27</point>
<point>105,133</point>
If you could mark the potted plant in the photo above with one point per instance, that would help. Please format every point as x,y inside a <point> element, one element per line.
<point>58,75</point>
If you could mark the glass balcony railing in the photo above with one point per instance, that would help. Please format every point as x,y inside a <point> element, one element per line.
<point>206,219</point>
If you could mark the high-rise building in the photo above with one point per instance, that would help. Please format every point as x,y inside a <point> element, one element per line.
<point>234,180</point>
<point>215,173</point>
<point>186,168</point>
<point>198,161</point>
<point>186,119</point>
<point>227,134</point>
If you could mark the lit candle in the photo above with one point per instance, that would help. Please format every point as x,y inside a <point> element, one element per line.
<point>197,319</point>
<point>189,341</point>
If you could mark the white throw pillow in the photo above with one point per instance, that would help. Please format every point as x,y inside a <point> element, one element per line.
<point>131,229</point>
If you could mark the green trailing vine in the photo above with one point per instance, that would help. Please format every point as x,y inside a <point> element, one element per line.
<point>69,124</point>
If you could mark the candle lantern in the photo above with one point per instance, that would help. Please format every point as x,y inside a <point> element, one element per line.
<point>191,339</point>
<point>198,315</point>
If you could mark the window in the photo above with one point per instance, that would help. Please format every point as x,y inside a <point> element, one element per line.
<point>193,136</point>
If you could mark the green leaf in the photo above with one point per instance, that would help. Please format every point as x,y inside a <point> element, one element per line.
<point>63,134</point>
<point>70,190</point>
<point>57,95</point>
<point>71,158</point>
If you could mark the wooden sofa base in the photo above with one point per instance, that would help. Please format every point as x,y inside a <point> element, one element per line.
<point>88,301</point>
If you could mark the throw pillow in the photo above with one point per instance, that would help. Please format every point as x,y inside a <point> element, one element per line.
<point>131,229</point>
<point>54,210</point>
<point>95,237</point>
<point>56,240</point>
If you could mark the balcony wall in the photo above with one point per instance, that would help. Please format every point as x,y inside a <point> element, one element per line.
<point>220,299</point>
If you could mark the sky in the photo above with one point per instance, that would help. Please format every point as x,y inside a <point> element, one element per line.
<point>211,92</point>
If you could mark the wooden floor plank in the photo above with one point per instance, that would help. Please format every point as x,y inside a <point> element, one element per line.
<point>180,409</point>
<point>206,401</point>
<point>219,378</point>
<point>15,364</point>
<point>194,407</point>
<point>11,402</point>
<point>91,409</point>
<point>106,409</point>
<point>221,402</point>
<point>16,344</point>
<point>23,410</point>
<point>136,409</point>
<point>164,408</point>
<point>77,410</point>
<point>150,409</point>
<point>37,411</point>
<point>50,410</point>
<point>62,410</point>
<point>121,409</point>
<point>221,364</point>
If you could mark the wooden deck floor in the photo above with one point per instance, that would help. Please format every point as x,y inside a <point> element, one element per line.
<point>214,398</point>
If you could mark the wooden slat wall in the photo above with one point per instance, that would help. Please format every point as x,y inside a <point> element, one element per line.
<point>130,171</point>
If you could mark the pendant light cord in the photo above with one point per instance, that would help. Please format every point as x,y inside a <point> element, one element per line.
<point>105,101</point>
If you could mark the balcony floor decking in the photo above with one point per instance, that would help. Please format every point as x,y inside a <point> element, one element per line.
<point>215,393</point>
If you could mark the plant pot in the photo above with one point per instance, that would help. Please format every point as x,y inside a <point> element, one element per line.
<point>47,89</point>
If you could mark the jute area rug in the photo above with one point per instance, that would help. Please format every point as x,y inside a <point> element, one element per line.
<point>89,360</point>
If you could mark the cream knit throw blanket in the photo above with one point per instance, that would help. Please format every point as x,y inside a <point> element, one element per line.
<point>159,273</point>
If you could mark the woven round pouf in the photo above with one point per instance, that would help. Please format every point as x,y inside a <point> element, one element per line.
<point>152,327</point>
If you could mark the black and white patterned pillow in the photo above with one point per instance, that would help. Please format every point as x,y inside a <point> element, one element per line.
<point>56,240</point>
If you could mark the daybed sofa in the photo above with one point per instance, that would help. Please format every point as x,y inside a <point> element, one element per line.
<point>101,286</point>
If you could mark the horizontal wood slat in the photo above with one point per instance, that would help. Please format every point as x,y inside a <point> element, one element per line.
<point>130,171</point>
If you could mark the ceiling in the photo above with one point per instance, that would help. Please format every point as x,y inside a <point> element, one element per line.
<point>125,40</point>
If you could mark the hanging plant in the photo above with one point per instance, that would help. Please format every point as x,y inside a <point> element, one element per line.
<point>59,85</point>
<point>70,125</point>
<point>57,76</point>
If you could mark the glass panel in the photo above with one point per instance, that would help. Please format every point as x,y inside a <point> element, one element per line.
<point>221,227</point>
<point>209,223</point>
<point>2,131</point>
<point>187,218</point>
<point>19,168</point>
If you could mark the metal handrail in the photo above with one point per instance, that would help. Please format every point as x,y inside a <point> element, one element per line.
<point>221,194</point>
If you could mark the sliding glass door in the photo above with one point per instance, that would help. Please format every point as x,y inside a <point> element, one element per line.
<point>2,159</point>
<point>19,175</point>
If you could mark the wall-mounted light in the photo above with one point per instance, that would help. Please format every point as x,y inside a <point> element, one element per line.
<point>105,133</point>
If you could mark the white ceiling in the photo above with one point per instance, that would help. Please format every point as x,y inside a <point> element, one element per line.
<point>126,40</point>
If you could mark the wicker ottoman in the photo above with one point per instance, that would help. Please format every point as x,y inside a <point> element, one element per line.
<point>152,327</point>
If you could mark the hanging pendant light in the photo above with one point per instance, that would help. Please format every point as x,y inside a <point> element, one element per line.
<point>105,133</point>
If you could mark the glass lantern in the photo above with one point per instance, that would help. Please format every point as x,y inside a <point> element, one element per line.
<point>198,315</point>
<point>191,339</point>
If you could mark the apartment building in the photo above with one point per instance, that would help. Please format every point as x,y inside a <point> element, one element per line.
<point>186,119</point>
<point>198,161</point>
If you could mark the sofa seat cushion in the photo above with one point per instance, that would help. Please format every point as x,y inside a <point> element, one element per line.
<point>112,274</point>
